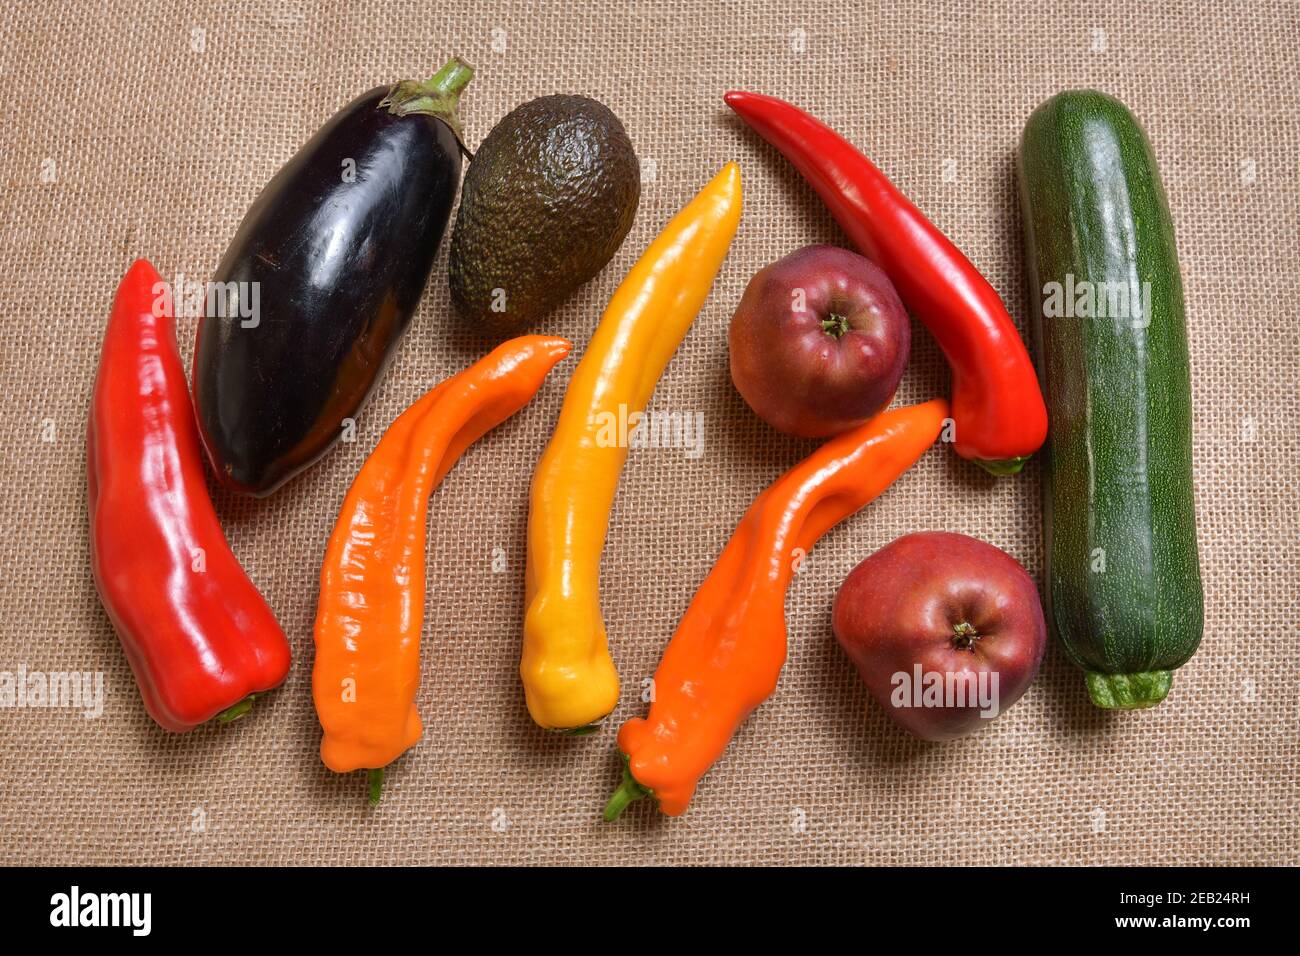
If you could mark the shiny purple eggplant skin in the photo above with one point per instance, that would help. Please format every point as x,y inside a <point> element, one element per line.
<point>340,244</point>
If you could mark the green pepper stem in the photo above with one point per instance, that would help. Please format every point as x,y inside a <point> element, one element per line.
<point>231,714</point>
<point>1004,468</point>
<point>375,781</point>
<point>628,792</point>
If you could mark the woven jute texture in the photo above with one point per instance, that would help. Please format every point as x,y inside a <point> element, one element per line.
<point>146,129</point>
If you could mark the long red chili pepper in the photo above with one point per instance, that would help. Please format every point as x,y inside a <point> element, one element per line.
<point>997,406</point>
<point>199,637</point>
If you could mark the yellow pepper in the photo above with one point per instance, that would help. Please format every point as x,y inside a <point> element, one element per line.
<point>569,678</point>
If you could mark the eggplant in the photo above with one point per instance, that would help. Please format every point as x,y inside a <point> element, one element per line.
<point>322,279</point>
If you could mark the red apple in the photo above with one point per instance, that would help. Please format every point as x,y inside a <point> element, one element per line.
<point>945,630</point>
<point>819,342</point>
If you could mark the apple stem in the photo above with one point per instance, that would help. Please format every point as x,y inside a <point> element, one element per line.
<point>966,636</point>
<point>835,325</point>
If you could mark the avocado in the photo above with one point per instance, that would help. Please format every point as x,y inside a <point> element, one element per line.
<point>547,201</point>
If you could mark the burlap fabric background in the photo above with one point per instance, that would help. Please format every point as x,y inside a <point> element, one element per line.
<point>163,119</point>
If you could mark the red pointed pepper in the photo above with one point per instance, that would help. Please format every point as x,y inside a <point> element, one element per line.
<point>198,635</point>
<point>997,406</point>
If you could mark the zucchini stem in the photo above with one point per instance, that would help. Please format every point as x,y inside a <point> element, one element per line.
<point>1128,691</point>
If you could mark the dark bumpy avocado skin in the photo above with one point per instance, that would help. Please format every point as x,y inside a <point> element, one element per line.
<point>547,201</point>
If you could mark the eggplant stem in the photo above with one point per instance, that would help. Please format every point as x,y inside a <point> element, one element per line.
<point>437,96</point>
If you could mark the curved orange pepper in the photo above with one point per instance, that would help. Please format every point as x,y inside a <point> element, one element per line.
<point>371,606</point>
<point>727,653</point>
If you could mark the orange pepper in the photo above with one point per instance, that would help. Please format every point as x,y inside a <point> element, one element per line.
<point>727,653</point>
<point>371,606</point>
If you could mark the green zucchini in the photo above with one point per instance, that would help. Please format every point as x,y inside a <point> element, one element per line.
<point>1123,576</point>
